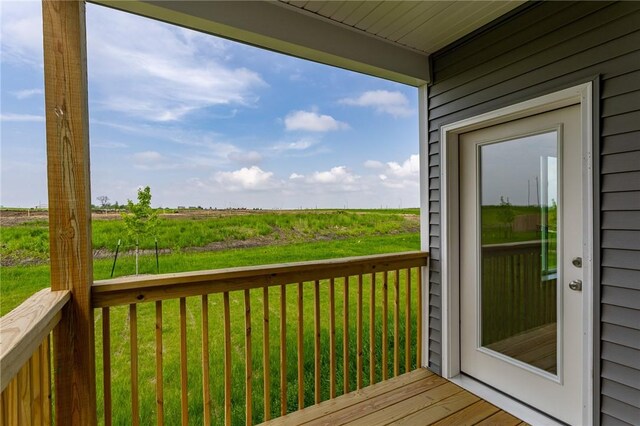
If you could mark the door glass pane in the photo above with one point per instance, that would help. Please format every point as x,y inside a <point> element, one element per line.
<point>518,248</point>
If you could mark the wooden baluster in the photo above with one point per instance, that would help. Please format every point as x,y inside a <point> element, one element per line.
<point>372,331</point>
<point>46,381</point>
<point>206,395</point>
<point>407,323</point>
<point>11,392</point>
<point>106,365</point>
<point>345,336</point>
<point>133,336</point>
<point>385,323</point>
<point>359,335</point>
<point>316,341</point>
<point>227,359</point>
<point>35,371</point>
<point>266,363</point>
<point>332,339</point>
<point>184,386</point>
<point>247,358</point>
<point>159,375</point>
<point>41,379</point>
<point>396,325</point>
<point>300,348</point>
<point>419,321</point>
<point>283,350</point>
<point>24,393</point>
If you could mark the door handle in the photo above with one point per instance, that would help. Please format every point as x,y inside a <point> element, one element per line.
<point>576,285</point>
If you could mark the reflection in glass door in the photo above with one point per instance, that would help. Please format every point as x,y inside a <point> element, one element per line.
<point>518,187</point>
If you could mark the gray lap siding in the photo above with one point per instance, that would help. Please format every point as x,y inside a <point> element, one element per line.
<point>539,49</point>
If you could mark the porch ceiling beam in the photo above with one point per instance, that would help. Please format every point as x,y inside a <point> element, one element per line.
<point>276,26</point>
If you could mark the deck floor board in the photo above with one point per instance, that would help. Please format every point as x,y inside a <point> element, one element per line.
<point>416,398</point>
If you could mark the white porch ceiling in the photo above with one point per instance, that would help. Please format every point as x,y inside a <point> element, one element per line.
<point>388,39</point>
<point>425,26</point>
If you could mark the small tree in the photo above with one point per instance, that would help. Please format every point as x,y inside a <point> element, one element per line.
<point>104,202</point>
<point>141,219</point>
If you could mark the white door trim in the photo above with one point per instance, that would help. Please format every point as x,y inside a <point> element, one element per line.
<point>450,262</point>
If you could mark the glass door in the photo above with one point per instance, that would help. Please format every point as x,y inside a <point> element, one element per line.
<point>521,222</point>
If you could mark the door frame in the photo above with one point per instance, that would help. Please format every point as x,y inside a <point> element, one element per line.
<point>450,224</point>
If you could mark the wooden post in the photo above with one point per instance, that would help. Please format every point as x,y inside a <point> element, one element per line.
<point>67,125</point>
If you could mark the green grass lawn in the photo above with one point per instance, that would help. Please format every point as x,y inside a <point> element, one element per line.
<point>290,237</point>
<point>30,241</point>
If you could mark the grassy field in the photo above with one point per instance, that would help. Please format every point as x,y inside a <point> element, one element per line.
<point>202,242</point>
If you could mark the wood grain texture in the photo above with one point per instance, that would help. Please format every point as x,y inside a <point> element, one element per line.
<point>283,350</point>
<point>106,365</point>
<point>159,375</point>
<point>248,359</point>
<point>227,359</point>
<point>332,339</point>
<point>127,290</point>
<point>407,323</point>
<point>372,331</point>
<point>68,176</point>
<point>184,372</point>
<point>266,362</point>
<point>396,324</point>
<point>206,392</point>
<point>315,413</point>
<point>385,327</point>
<point>300,346</point>
<point>419,321</point>
<point>416,398</point>
<point>359,335</point>
<point>133,359</point>
<point>316,341</point>
<point>345,336</point>
<point>27,398</point>
<point>23,330</point>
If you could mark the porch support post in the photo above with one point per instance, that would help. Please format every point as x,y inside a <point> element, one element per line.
<point>67,130</point>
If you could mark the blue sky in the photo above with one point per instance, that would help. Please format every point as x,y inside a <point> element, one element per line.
<point>210,122</point>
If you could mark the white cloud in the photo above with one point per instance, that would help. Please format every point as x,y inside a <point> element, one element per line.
<point>253,178</point>
<point>338,174</point>
<point>312,122</point>
<point>410,167</point>
<point>373,164</point>
<point>383,101</point>
<point>299,145</point>
<point>27,93</point>
<point>405,175</point>
<point>158,72</point>
<point>294,176</point>
<point>21,117</point>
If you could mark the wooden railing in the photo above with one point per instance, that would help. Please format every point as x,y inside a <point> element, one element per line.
<point>25,359</point>
<point>237,357</point>
<point>515,295</point>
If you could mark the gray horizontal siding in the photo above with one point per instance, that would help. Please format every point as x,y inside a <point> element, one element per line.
<point>542,48</point>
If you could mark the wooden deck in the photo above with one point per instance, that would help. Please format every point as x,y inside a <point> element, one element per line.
<point>416,398</point>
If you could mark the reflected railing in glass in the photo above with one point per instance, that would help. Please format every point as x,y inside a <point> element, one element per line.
<point>518,181</point>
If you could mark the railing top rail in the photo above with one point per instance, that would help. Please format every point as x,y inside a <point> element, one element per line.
<point>513,245</point>
<point>128,290</point>
<point>23,329</point>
